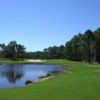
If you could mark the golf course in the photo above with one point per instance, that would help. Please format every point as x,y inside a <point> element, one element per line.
<point>79,81</point>
<point>50,50</point>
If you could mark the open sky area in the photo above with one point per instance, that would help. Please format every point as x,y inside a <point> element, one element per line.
<point>38,24</point>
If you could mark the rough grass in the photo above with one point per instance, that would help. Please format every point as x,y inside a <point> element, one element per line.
<point>81,82</point>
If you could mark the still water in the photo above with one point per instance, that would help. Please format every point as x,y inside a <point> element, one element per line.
<point>12,76</point>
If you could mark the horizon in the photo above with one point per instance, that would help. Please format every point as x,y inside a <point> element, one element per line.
<point>39,24</point>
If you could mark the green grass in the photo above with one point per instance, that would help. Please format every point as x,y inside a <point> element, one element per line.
<point>17,62</point>
<point>81,82</point>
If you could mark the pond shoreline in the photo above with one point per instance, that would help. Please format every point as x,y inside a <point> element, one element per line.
<point>46,77</point>
<point>21,75</point>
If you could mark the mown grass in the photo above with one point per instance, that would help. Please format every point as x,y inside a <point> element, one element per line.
<point>81,82</point>
<point>17,62</point>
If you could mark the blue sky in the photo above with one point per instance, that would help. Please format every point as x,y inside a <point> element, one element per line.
<point>42,23</point>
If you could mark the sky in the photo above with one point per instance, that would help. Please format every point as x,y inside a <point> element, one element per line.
<point>38,24</point>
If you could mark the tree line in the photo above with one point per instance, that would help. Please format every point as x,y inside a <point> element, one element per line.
<point>82,47</point>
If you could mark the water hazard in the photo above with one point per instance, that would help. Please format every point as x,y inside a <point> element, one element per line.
<point>16,75</point>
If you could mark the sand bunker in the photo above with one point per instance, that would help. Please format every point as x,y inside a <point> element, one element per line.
<point>34,60</point>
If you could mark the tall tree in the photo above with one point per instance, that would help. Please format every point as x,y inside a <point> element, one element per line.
<point>2,48</point>
<point>88,38</point>
<point>14,51</point>
<point>68,50</point>
<point>97,45</point>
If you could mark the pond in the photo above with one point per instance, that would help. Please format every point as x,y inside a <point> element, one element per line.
<point>16,75</point>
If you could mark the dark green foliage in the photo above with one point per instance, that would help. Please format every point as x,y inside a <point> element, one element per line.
<point>97,45</point>
<point>13,51</point>
<point>88,39</point>
<point>2,48</point>
<point>54,52</point>
<point>82,47</point>
<point>34,55</point>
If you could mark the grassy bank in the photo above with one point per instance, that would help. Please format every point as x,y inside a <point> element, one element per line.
<point>81,82</point>
<point>17,62</point>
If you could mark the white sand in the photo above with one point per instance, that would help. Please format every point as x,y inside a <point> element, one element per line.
<point>34,60</point>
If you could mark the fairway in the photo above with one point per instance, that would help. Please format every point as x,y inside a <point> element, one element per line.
<point>80,81</point>
<point>49,50</point>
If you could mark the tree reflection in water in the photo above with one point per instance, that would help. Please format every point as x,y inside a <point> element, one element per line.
<point>13,73</point>
<point>16,75</point>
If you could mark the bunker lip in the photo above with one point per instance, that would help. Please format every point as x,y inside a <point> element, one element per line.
<point>34,60</point>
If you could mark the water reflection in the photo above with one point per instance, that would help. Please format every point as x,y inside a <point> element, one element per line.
<point>12,72</point>
<point>16,75</point>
